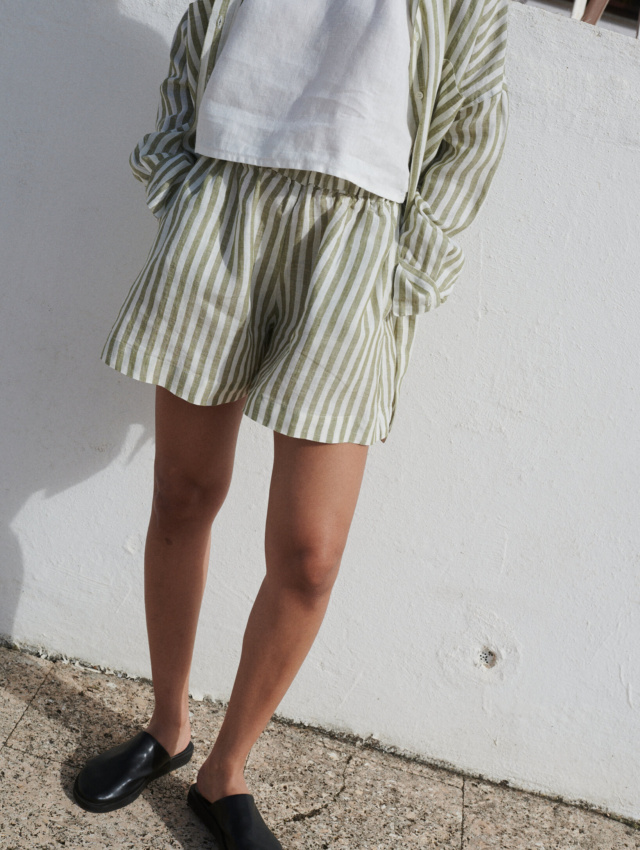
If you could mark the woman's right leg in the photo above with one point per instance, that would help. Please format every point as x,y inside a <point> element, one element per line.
<point>195,450</point>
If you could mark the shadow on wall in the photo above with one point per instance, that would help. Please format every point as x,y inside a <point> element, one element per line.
<point>80,82</point>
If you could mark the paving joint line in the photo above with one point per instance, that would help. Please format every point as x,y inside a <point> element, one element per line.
<point>26,708</point>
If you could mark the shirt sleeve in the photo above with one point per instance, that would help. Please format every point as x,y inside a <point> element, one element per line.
<point>454,183</point>
<point>163,158</point>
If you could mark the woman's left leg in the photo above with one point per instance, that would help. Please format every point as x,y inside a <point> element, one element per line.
<point>312,499</point>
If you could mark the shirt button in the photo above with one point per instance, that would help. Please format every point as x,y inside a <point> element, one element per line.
<point>220,21</point>
<point>420,95</point>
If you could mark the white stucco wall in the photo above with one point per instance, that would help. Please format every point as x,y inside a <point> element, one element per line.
<point>502,513</point>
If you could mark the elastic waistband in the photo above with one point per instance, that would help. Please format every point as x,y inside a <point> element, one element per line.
<point>329,182</point>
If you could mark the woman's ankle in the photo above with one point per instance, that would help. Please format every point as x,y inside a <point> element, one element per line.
<point>174,735</point>
<point>214,783</point>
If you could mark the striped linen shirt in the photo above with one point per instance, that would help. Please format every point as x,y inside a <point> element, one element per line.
<point>460,103</point>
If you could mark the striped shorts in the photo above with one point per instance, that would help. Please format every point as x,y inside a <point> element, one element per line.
<point>275,284</point>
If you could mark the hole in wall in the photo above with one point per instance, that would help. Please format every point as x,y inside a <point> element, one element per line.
<point>488,657</point>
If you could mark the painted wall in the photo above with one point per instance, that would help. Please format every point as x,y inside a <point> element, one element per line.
<point>499,523</point>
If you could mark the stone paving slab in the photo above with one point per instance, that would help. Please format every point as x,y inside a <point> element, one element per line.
<point>497,818</point>
<point>78,712</point>
<point>316,791</point>
<point>382,807</point>
<point>20,677</point>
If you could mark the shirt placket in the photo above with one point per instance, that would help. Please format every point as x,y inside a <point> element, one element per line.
<point>418,102</point>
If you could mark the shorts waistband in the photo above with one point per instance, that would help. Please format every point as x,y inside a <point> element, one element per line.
<point>330,182</point>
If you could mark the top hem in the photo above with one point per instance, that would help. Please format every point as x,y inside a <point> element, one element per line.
<point>297,162</point>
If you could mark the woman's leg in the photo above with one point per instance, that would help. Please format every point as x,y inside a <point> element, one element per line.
<point>312,499</point>
<point>195,450</point>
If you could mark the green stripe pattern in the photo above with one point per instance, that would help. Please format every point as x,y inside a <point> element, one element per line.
<point>461,98</point>
<point>275,284</point>
<point>189,325</point>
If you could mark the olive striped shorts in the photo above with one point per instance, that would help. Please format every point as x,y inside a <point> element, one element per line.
<point>275,284</point>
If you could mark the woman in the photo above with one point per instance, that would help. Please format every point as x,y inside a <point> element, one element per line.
<point>302,230</point>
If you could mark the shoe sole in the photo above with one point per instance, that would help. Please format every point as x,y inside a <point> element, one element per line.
<point>177,761</point>
<point>205,816</point>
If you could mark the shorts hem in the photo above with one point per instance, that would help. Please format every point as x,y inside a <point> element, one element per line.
<point>300,424</point>
<point>146,376</point>
<point>305,426</point>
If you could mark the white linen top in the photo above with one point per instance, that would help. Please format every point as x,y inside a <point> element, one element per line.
<point>322,85</point>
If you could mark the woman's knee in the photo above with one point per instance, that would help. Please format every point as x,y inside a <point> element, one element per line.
<point>308,567</point>
<point>180,497</point>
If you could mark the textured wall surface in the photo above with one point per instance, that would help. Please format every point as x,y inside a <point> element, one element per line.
<point>487,613</point>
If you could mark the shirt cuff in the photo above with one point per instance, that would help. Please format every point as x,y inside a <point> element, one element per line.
<point>413,291</point>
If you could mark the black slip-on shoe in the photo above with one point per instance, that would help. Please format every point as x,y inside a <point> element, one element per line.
<point>235,821</point>
<point>116,777</point>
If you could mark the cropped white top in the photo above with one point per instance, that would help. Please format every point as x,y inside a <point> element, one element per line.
<point>321,85</point>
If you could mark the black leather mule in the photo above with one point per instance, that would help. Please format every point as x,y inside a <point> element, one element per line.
<point>235,821</point>
<point>116,777</point>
